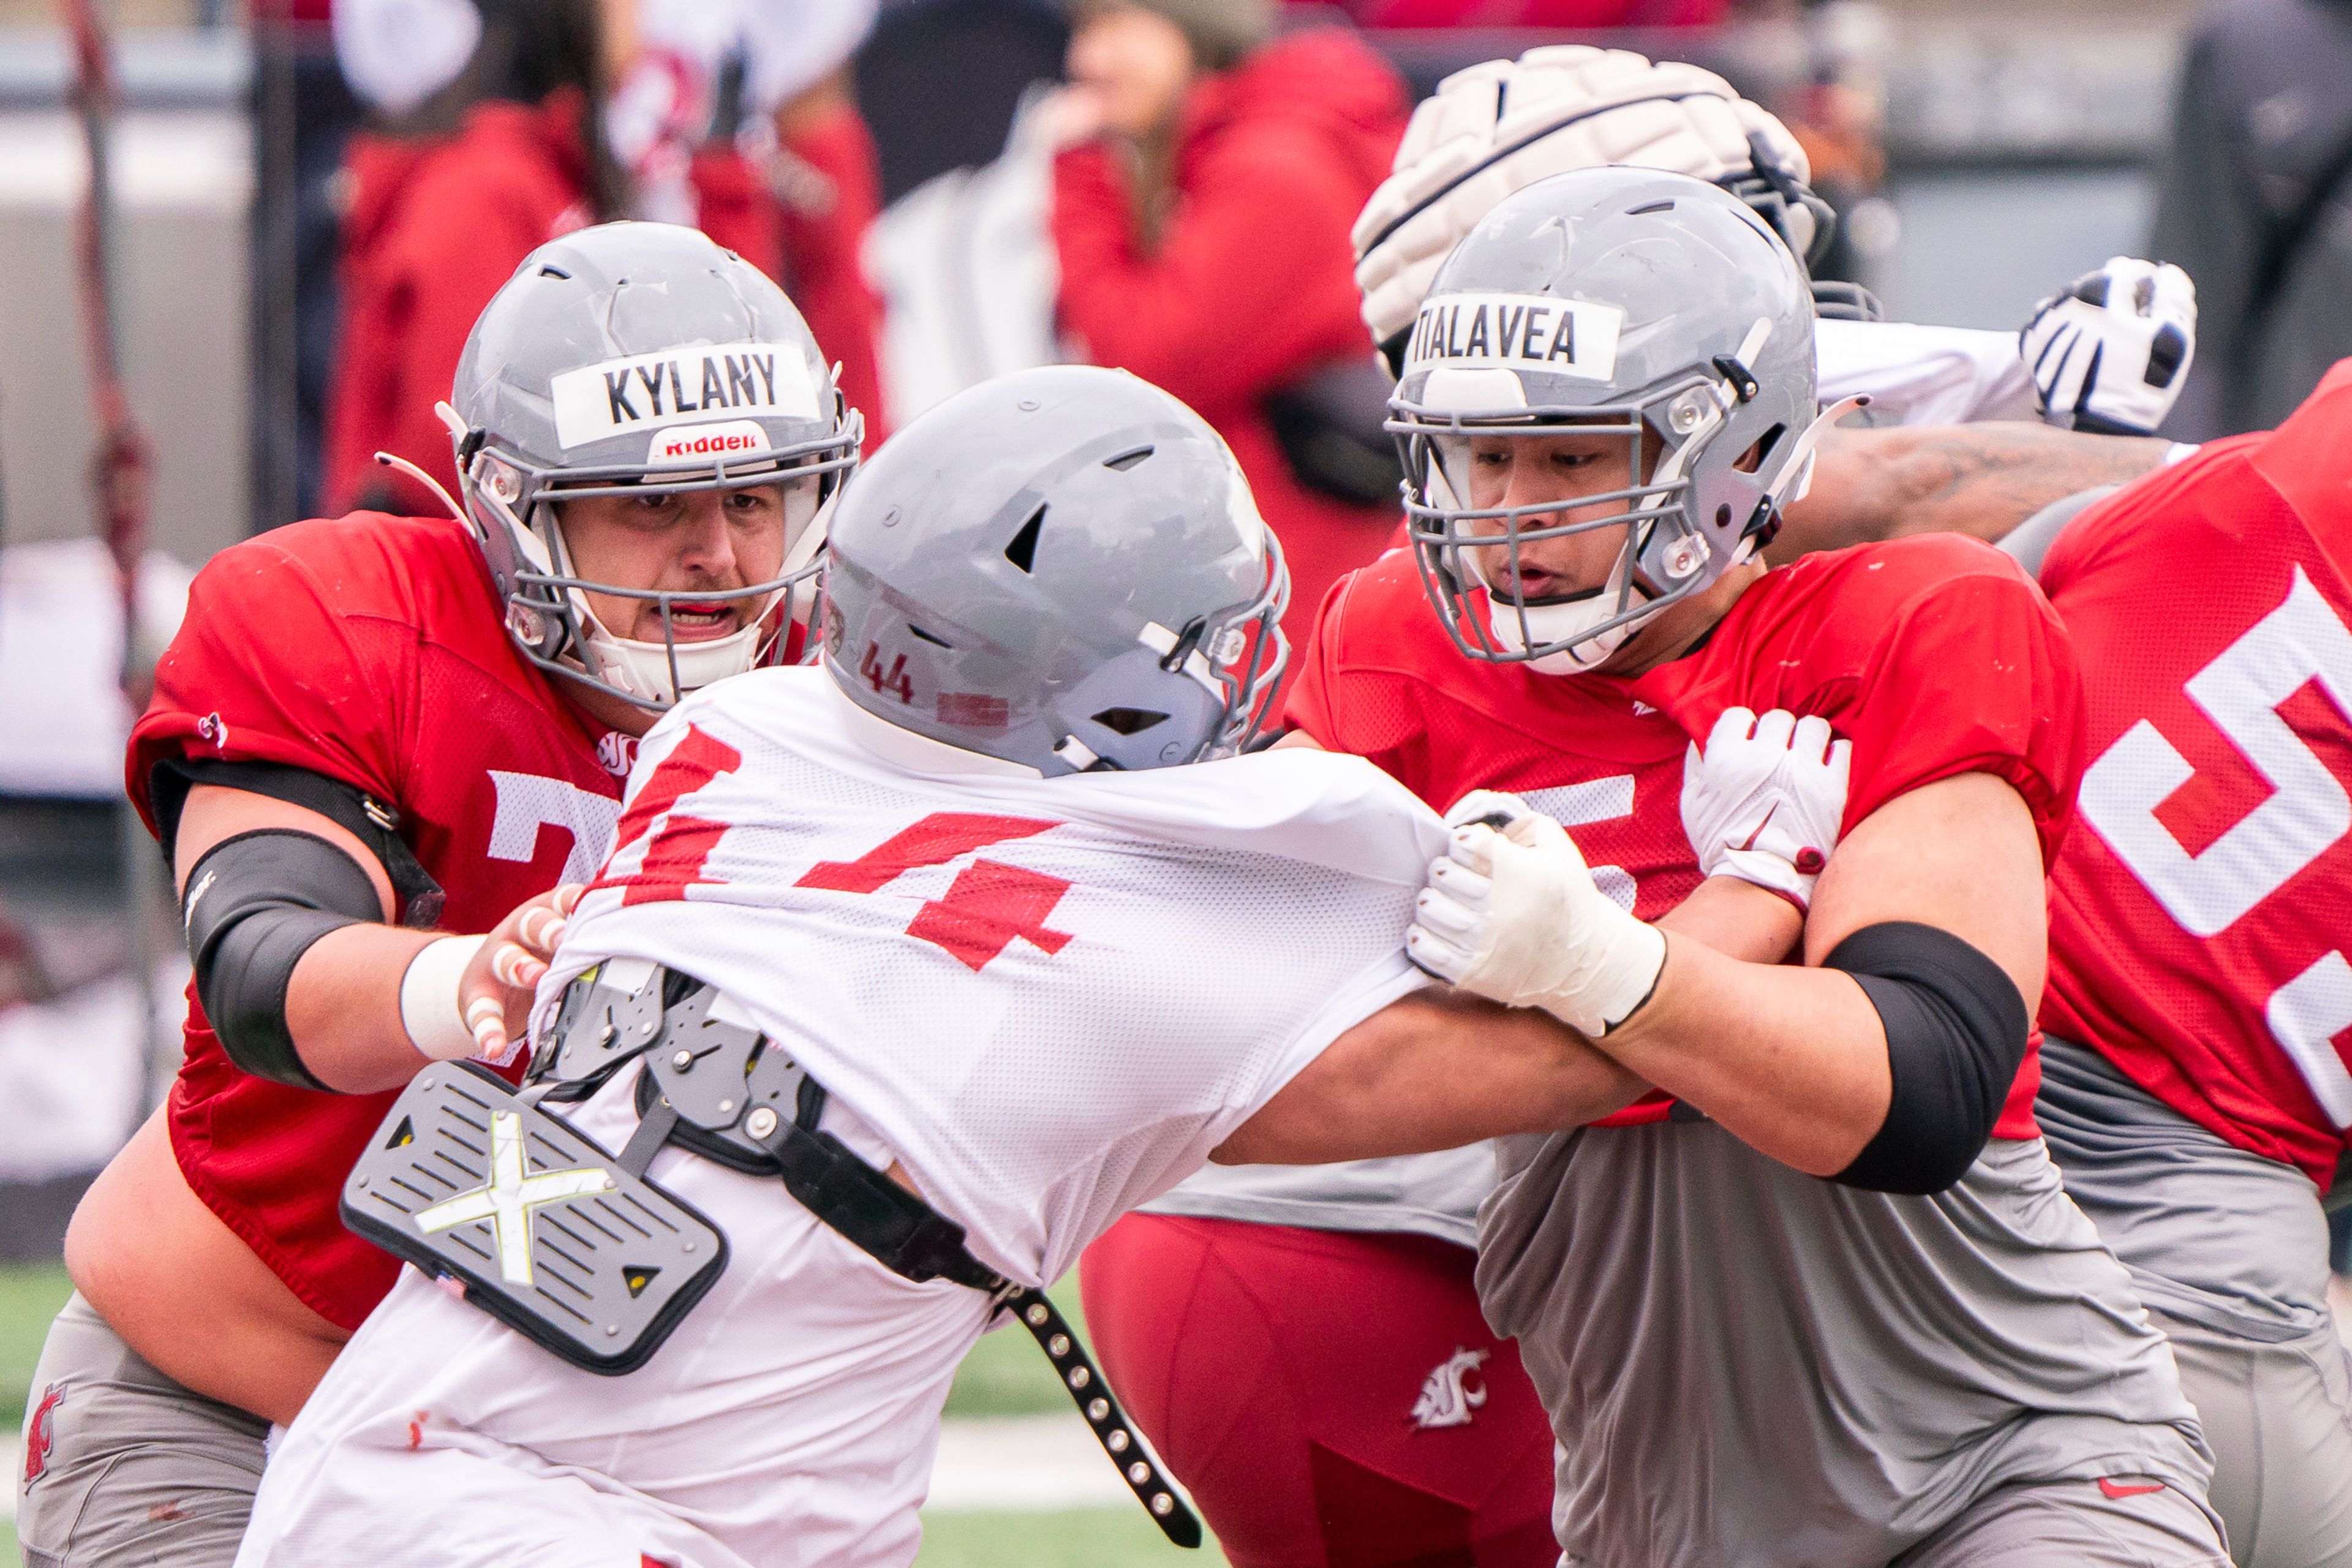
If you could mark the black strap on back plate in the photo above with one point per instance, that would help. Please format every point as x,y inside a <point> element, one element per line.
<point>722,1090</point>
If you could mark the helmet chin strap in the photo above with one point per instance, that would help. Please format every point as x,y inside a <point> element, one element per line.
<point>402,465</point>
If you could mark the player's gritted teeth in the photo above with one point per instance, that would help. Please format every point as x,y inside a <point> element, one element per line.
<point>700,622</point>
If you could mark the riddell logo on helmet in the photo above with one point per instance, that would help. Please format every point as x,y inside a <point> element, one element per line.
<point>729,440</point>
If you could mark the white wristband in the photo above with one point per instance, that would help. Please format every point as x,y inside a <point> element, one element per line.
<point>428,998</point>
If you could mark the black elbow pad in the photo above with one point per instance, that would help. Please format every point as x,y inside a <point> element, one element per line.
<point>254,904</point>
<point>1956,1031</point>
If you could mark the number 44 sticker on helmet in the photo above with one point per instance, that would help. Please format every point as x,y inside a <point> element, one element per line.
<point>895,679</point>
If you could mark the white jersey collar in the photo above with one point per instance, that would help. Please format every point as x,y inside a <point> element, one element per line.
<point>915,754</point>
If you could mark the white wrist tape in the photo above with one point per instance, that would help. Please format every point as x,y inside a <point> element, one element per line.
<point>428,998</point>
<point>1514,916</point>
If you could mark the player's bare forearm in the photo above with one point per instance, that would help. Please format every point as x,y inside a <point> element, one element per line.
<point>1435,1070</point>
<point>1792,1060</point>
<point>1978,480</point>
<point>342,1000</point>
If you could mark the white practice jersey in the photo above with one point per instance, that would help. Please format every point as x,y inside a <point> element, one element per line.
<point>1048,999</point>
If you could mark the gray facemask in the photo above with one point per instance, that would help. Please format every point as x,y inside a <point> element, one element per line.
<point>638,359</point>
<point>1642,326</point>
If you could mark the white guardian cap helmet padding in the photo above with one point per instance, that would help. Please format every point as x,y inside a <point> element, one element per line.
<point>641,359</point>
<point>1064,568</point>
<point>1650,306</point>
<point>1495,128</point>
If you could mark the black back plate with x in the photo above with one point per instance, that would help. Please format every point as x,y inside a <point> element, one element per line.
<point>542,1225</point>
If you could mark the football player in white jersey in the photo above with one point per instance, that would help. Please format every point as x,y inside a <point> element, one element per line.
<point>960,915</point>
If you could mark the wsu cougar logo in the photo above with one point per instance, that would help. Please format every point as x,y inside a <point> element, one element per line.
<point>1451,1393</point>
<point>39,1433</point>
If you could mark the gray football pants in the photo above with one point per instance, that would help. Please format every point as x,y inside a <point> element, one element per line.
<point>2075,1524</point>
<point>2228,1253</point>
<point>128,1469</point>
<point>2068,1524</point>
<point>2278,1416</point>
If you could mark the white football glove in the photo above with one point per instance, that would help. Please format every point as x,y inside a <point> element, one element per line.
<point>1766,800</point>
<point>1512,915</point>
<point>1494,128</point>
<point>2111,352</point>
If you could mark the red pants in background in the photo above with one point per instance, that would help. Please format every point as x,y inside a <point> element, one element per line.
<point>1330,1399</point>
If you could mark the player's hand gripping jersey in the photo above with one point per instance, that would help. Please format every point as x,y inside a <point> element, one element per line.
<point>1841,636</point>
<point>2212,604</point>
<point>368,649</point>
<point>1046,1000</point>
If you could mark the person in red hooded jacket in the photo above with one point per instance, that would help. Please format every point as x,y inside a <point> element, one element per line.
<point>444,207</point>
<point>1202,231</point>
<point>802,221</point>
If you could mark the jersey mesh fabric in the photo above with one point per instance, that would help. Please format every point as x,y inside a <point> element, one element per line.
<point>367,649</point>
<point>1933,656</point>
<point>2200,909</point>
<point>1051,997</point>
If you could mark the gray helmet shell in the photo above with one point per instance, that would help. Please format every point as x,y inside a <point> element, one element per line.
<point>639,359</point>
<point>1062,567</point>
<point>1651,305</point>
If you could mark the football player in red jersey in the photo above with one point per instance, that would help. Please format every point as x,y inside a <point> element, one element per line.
<point>2194,1092</point>
<point>1314,1432</point>
<point>372,734</point>
<point>2194,1089</point>
<point>1928,1352</point>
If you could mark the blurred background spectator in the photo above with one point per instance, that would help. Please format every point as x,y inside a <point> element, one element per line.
<point>2254,201</point>
<point>443,201</point>
<point>502,124</point>
<point>739,118</point>
<point>1201,215</point>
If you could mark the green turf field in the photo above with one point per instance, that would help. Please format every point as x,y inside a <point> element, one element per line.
<point>30,1296</point>
<point>1004,1376</point>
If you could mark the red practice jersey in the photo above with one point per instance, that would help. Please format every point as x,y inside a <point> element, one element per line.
<point>370,649</point>
<point>1934,656</point>
<point>2201,921</point>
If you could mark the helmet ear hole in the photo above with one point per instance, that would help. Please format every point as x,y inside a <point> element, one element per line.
<point>1128,721</point>
<point>1756,456</point>
<point>1022,551</point>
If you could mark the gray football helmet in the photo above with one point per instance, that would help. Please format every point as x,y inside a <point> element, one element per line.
<point>1062,567</point>
<point>1631,302</point>
<point>641,359</point>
